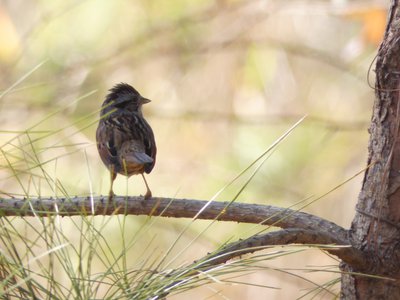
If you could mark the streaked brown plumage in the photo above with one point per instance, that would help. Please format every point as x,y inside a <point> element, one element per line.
<point>125,140</point>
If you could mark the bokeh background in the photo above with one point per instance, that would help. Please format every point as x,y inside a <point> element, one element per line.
<point>226,79</point>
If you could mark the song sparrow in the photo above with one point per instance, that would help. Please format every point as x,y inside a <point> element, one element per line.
<point>125,140</point>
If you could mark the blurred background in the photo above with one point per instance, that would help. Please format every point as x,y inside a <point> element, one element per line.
<point>226,79</point>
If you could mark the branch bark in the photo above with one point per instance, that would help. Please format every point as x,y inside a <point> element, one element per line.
<point>290,236</point>
<point>170,207</point>
<point>258,242</point>
<point>304,228</point>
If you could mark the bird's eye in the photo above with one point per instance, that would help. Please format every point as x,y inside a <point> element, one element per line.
<point>121,104</point>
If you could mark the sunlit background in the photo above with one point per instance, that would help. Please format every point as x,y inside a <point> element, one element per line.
<point>226,79</point>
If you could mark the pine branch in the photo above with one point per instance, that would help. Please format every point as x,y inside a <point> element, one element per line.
<point>170,207</point>
<point>314,238</point>
<point>301,228</point>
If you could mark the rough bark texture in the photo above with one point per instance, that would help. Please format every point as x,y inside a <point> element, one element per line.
<point>177,208</point>
<point>376,227</point>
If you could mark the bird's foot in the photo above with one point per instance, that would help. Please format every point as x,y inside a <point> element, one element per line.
<point>111,196</point>
<point>148,195</point>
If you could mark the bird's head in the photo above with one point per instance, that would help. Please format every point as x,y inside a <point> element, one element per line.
<point>125,97</point>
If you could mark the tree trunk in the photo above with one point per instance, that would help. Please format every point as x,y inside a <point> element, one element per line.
<point>376,226</point>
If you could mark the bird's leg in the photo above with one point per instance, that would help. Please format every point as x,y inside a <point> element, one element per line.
<point>113,175</point>
<point>148,192</point>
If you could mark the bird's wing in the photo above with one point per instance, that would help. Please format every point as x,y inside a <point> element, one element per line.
<point>128,136</point>
<point>108,144</point>
<point>149,144</point>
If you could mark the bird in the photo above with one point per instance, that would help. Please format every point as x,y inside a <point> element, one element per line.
<point>125,141</point>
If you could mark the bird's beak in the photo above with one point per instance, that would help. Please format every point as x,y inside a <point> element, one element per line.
<point>144,100</point>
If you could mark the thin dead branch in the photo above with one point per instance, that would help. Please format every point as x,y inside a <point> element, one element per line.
<point>301,228</point>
